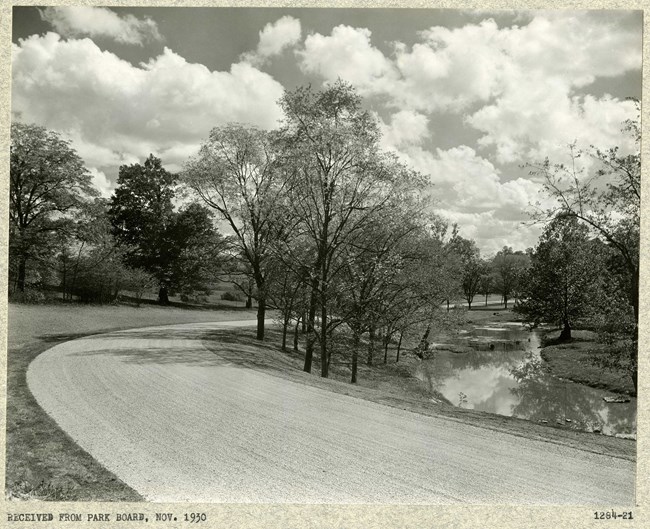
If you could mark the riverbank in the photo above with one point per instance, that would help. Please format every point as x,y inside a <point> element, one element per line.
<point>395,385</point>
<point>581,360</point>
<point>391,372</point>
<point>42,462</point>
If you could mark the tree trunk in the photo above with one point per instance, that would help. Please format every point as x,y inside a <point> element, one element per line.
<point>75,271</point>
<point>163,295</point>
<point>634,352</point>
<point>261,314</point>
<point>311,317</point>
<point>285,326</point>
<point>330,351</point>
<point>249,301</point>
<point>386,341</point>
<point>486,296</point>
<point>634,360</point>
<point>469,304</point>
<point>424,342</point>
<point>565,335</point>
<point>64,283</point>
<point>505,302</point>
<point>22,273</point>
<point>355,356</point>
<point>371,345</point>
<point>635,295</point>
<point>399,345</point>
<point>295,335</point>
<point>324,364</point>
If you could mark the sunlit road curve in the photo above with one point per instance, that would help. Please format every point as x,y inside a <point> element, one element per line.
<point>178,423</point>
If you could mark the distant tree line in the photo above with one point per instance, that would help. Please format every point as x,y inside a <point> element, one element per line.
<point>63,235</point>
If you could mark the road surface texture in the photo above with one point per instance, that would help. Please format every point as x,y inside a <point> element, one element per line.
<point>178,423</point>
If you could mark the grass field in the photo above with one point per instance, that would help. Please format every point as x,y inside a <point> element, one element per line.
<point>42,461</point>
<point>577,360</point>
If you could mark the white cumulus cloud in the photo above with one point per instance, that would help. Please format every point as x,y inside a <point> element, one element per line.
<point>406,128</point>
<point>275,38</point>
<point>103,184</point>
<point>118,113</point>
<point>100,22</point>
<point>492,233</point>
<point>347,53</point>
<point>452,69</point>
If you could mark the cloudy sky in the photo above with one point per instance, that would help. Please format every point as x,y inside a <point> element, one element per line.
<point>465,97</point>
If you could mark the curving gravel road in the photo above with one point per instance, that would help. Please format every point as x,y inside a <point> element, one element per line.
<point>178,423</point>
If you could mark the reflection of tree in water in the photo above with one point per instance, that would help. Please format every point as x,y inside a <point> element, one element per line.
<point>543,397</point>
<point>538,397</point>
<point>483,382</point>
<point>437,373</point>
<point>620,419</point>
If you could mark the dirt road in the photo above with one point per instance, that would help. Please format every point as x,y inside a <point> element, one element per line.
<point>178,423</point>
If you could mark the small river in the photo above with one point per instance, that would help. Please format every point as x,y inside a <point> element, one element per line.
<point>483,379</point>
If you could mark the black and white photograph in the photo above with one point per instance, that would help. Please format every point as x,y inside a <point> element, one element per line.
<point>348,256</point>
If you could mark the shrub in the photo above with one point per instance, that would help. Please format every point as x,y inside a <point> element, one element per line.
<point>28,296</point>
<point>231,296</point>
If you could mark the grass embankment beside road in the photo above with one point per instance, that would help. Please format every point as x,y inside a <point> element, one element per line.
<point>42,462</point>
<point>391,377</point>
<point>394,384</point>
<point>578,360</point>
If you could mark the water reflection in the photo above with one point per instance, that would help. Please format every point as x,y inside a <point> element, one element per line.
<point>504,374</point>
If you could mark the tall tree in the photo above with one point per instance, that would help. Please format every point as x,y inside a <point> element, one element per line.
<point>435,277</point>
<point>196,249</point>
<point>178,248</point>
<point>370,285</point>
<point>606,198</point>
<point>48,183</point>
<point>236,174</point>
<point>141,212</point>
<point>473,266</point>
<point>90,244</point>
<point>486,282</point>
<point>508,268</point>
<point>564,278</point>
<point>339,182</point>
<point>285,293</point>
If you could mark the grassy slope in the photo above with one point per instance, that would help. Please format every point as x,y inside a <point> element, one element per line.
<point>42,461</point>
<point>394,385</point>
<point>575,361</point>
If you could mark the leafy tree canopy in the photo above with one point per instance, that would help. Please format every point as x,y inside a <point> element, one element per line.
<point>48,183</point>
<point>565,276</point>
<point>177,248</point>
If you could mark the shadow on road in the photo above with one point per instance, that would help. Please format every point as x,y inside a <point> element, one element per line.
<point>193,347</point>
